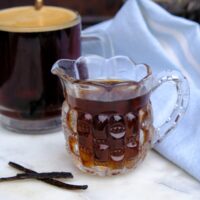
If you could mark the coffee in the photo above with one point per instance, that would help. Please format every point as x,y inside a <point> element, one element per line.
<point>113,134</point>
<point>30,43</point>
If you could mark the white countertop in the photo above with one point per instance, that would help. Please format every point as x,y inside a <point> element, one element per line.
<point>155,179</point>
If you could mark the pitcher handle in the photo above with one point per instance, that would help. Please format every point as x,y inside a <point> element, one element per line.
<point>183,93</point>
<point>97,42</point>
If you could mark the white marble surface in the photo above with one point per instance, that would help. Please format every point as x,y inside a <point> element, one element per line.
<point>155,179</point>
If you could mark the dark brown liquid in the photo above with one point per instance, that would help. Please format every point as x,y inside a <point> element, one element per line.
<point>111,134</point>
<point>28,90</point>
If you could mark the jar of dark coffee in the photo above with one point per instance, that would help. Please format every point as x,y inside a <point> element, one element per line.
<point>32,39</point>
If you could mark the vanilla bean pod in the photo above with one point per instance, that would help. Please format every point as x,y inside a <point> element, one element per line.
<point>37,176</point>
<point>49,180</point>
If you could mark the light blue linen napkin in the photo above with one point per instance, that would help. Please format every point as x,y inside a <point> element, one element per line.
<point>148,34</point>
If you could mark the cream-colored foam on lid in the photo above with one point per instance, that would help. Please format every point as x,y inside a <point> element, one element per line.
<point>28,19</point>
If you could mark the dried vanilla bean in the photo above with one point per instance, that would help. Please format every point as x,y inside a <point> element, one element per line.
<point>49,180</point>
<point>37,176</point>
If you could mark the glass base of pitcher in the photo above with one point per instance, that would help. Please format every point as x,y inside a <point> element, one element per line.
<point>106,171</point>
<point>31,126</point>
<point>101,171</point>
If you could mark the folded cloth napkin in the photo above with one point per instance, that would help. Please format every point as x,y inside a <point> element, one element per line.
<point>148,34</point>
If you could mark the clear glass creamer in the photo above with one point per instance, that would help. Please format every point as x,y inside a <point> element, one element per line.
<point>107,113</point>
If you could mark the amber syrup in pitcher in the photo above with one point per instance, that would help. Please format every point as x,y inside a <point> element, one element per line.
<point>113,134</point>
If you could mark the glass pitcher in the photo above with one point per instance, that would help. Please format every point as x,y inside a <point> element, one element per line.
<point>107,113</point>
